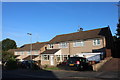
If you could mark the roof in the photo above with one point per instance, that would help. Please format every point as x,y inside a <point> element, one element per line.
<point>16,56</point>
<point>35,46</point>
<point>50,51</point>
<point>29,57</point>
<point>95,33</point>
<point>11,51</point>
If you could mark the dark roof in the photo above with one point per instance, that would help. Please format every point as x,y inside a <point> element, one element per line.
<point>29,57</point>
<point>50,51</point>
<point>95,33</point>
<point>35,46</point>
<point>16,56</point>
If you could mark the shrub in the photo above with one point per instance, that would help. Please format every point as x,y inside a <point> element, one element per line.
<point>11,64</point>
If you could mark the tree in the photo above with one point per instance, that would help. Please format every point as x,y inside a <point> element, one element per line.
<point>6,56</point>
<point>8,44</point>
<point>118,30</point>
<point>116,38</point>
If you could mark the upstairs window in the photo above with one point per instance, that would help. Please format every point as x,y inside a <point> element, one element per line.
<point>22,53</point>
<point>16,53</point>
<point>63,45</point>
<point>78,43</point>
<point>36,52</point>
<point>96,42</point>
<point>28,52</point>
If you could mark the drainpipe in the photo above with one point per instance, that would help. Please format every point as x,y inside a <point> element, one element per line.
<point>103,41</point>
<point>104,46</point>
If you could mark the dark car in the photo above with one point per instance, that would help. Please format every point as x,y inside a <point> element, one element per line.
<point>28,64</point>
<point>77,63</point>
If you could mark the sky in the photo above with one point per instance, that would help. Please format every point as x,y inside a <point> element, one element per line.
<point>45,20</point>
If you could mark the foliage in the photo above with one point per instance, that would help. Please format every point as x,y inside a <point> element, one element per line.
<point>118,30</point>
<point>116,38</point>
<point>6,56</point>
<point>46,65</point>
<point>11,64</point>
<point>8,44</point>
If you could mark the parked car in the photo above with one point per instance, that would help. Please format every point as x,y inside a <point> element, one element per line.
<point>29,64</point>
<point>77,63</point>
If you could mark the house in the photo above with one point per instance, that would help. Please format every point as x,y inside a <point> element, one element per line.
<point>24,52</point>
<point>61,47</point>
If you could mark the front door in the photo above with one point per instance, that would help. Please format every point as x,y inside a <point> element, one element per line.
<point>51,60</point>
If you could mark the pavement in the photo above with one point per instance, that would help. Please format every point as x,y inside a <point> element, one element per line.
<point>112,65</point>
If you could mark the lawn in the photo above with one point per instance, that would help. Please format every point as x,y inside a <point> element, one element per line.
<point>52,68</point>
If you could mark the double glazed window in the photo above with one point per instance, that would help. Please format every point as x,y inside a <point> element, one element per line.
<point>16,53</point>
<point>28,52</point>
<point>96,42</point>
<point>78,43</point>
<point>61,57</point>
<point>36,52</point>
<point>22,52</point>
<point>63,45</point>
<point>45,57</point>
<point>58,57</point>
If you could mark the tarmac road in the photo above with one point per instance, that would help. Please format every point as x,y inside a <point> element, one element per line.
<point>59,75</point>
<point>109,71</point>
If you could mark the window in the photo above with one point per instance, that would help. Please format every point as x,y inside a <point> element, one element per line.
<point>78,43</point>
<point>36,52</point>
<point>96,42</point>
<point>45,57</point>
<point>58,58</point>
<point>65,57</point>
<point>16,53</point>
<point>22,53</point>
<point>50,45</point>
<point>63,45</point>
<point>28,52</point>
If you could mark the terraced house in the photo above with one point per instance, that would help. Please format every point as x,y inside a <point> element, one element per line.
<point>25,52</point>
<point>61,47</point>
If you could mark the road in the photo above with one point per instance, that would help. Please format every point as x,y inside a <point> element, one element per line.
<point>70,75</point>
<point>109,71</point>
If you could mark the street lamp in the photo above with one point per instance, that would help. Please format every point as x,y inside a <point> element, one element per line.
<point>30,47</point>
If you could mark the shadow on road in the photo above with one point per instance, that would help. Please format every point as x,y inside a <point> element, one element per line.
<point>68,68</point>
<point>23,74</point>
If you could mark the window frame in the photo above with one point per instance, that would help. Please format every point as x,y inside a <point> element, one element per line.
<point>16,53</point>
<point>63,45</point>
<point>95,42</point>
<point>43,57</point>
<point>28,52</point>
<point>22,52</point>
<point>58,56</point>
<point>36,52</point>
<point>80,42</point>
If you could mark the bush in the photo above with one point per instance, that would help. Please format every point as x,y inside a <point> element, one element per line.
<point>11,64</point>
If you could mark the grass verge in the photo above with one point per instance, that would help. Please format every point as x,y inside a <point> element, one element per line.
<point>52,68</point>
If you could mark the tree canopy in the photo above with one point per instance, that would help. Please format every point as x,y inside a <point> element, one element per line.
<point>118,30</point>
<point>8,44</point>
